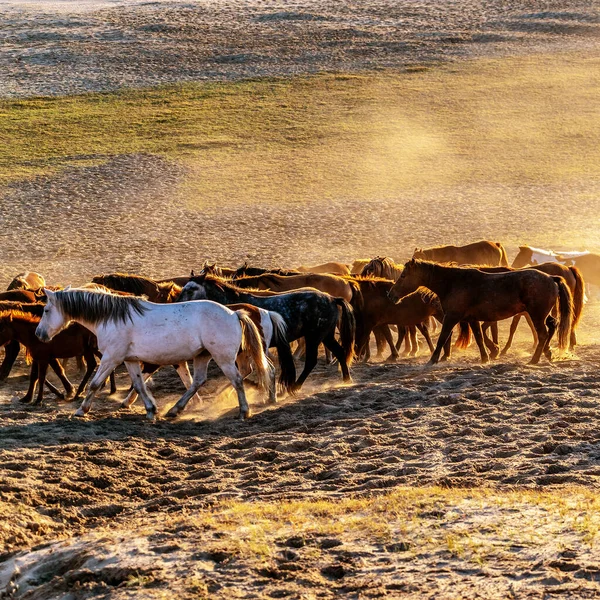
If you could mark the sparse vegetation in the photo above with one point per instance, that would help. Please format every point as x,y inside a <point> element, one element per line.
<point>373,136</point>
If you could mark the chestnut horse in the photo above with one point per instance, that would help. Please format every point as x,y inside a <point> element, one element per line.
<point>331,268</point>
<point>478,253</point>
<point>377,310</point>
<point>28,280</point>
<point>470,295</point>
<point>75,340</point>
<point>338,287</point>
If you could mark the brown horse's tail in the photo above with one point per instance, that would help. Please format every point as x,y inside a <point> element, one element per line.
<point>252,343</point>
<point>287,378</point>
<point>464,337</point>
<point>503,255</point>
<point>578,295</point>
<point>347,325</point>
<point>565,312</point>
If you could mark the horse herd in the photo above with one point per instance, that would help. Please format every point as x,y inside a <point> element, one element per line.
<point>235,316</point>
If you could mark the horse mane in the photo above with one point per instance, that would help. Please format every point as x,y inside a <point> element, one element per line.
<point>95,306</point>
<point>222,282</point>
<point>15,313</point>
<point>136,284</point>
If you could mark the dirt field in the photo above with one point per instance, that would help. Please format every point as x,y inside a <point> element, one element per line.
<point>437,122</point>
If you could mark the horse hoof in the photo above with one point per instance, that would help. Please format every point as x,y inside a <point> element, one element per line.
<point>79,413</point>
<point>172,413</point>
<point>124,405</point>
<point>245,414</point>
<point>24,400</point>
<point>151,415</point>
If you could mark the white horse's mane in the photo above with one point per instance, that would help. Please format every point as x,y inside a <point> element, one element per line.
<point>96,306</point>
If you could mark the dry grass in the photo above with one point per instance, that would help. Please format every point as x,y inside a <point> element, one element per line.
<point>526,119</point>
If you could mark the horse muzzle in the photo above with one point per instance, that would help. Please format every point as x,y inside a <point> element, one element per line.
<point>42,335</point>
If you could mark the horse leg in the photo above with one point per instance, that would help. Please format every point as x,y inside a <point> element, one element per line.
<point>446,334</point>
<point>300,349</point>
<point>231,372</point>
<point>551,325</point>
<point>11,352</point>
<point>60,372</point>
<point>312,349</point>
<point>490,344</point>
<point>533,329</point>
<point>184,374</point>
<point>137,378</point>
<point>478,334</point>
<point>380,341</point>
<point>331,343</point>
<point>414,344</point>
<point>33,376</point>
<point>91,363</point>
<point>328,357</point>
<point>200,375</point>
<point>424,329</point>
<point>513,327</point>
<point>42,370</point>
<point>132,395</point>
<point>542,334</point>
<point>387,335</point>
<point>106,366</point>
<point>447,350</point>
<point>401,336</point>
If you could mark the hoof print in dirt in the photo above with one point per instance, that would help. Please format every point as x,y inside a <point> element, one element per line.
<point>328,543</point>
<point>398,547</point>
<point>335,571</point>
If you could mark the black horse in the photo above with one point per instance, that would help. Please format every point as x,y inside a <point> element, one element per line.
<point>310,314</point>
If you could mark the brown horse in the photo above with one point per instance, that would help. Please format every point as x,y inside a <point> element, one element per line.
<point>478,253</point>
<point>331,268</point>
<point>28,280</point>
<point>377,310</point>
<point>384,267</point>
<point>338,287</point>
<point>138,285</point>
<point>588,264</point>
<point>472,296</point>
<point>574,280</point>
<point>75,340</point>
<point>358,265</point>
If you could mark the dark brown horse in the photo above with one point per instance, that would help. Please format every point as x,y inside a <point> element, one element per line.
<point>378,309</point>
<point>574,280</point>
<point>28,280</point>
<point>75,340</point>
<point>247,271</point>
<point>138,285</point>
<point>470,295</point>
<point>478,253</point>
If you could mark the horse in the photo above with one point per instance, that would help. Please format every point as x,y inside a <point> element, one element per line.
<point>382,266</point>
<point>338,287</point>
<point>247,271</point>
<point>20,325</point>
<point>588,263</point>
<point>130,329</point>
<point>272,330</point>
<point>477,253</point>
<point>308,313</point>
<point>331,268</point>
<point>529,255</point>
<point>413,310</point>
<point>138,285</point>
<point>28,280</point>
<point>470,295</point>
<point>358,265</point>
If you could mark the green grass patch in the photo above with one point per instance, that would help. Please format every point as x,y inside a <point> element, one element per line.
<point>374,136</point>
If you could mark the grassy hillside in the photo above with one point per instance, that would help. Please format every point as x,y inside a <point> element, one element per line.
<point>526,119</point>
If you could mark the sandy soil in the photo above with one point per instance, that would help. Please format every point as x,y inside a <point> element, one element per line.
<point>60,47</point>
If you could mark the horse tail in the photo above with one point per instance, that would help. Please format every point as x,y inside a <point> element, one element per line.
<point>565,311</point>
<point>28,357</point>
<point>503,255</point>
<point>252,342</point>
<point>464,337</point>
<point>347,326</point>
<point>578,295</point>
<point>287,379</point>
<point>357,301</point>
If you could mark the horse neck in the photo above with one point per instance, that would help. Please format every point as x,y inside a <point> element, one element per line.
<point>23,331</point>
<point>226,296</point>
<point>436,279</point>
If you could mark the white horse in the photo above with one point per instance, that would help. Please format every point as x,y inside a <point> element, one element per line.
<point>529,255</point>
<point>131,330</point>
<point>273,329</point>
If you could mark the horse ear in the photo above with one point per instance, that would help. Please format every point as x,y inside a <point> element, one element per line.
<point>192,273</point>
<point>49,294</point>
<point>67,288</point>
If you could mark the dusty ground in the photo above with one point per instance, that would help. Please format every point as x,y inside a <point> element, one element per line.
<point>460,481</point>
<point>63,47</point>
